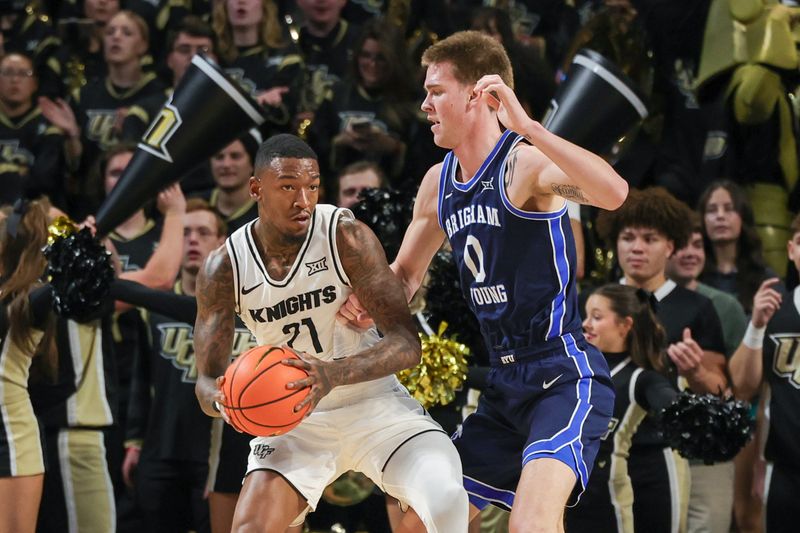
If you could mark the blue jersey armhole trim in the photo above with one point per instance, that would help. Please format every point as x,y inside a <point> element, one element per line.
<point>442,182</point>
<point>530,215</point>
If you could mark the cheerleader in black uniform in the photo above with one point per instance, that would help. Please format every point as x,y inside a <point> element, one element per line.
<point>631,488</point>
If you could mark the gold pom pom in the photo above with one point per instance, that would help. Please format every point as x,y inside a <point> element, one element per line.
<point>60,228</point>
<point>441,372</point>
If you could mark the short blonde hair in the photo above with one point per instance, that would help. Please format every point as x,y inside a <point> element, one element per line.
<point>473,55</point>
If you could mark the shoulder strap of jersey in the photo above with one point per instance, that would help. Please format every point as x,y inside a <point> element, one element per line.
<point>235,244</point>
<point>333,223</point>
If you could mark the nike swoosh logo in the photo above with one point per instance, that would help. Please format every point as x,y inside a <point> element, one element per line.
<point>548,384</point>
<point>251,289</point>
<point>446,196</point>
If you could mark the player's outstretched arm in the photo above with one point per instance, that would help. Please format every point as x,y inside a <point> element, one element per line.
<point>381,294</point>
<point>569,170</point>
<point>214,328</point>
<point>422,240</point>
<point>424,236</point>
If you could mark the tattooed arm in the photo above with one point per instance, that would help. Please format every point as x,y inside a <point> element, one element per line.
<point>422,240</point>
<point>558,167</point>
<point>214,328</point>
<point>381,293</point>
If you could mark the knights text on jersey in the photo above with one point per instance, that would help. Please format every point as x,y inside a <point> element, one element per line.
<point>517,268</point>
<point>299,310</point>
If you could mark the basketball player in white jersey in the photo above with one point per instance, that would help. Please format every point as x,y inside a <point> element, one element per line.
<point>286,274</point>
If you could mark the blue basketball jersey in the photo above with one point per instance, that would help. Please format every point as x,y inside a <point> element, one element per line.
<point>517,268</point>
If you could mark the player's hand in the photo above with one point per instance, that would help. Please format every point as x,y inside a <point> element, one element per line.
<point>686,354</point>
<point>322,378</point>
<point>765,302</point>
<point>212,399</point>
<point>354,314</point>
<point>130,464</point>
<point>492,90</point>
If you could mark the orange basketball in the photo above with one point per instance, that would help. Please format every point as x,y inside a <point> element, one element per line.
<point>258,401</point>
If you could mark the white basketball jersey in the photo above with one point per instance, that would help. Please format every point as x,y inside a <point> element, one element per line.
<point>300,310</point>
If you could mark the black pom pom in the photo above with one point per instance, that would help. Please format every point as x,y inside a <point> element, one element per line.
<point>444,302</point>
<point>387,212</point>
<point>706,427</point>
<point>80,271</point>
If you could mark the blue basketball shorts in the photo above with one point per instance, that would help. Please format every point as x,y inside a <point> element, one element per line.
<point>557,405</point>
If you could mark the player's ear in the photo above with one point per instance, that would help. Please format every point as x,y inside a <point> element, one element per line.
<point>255,188</point>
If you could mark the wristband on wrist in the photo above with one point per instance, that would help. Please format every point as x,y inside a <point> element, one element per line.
<point>754,337</point>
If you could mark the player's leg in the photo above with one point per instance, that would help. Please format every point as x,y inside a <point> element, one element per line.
<point>425,473</point>
<point>570,415</point>
<point>542,493</point>
<point>268,503</point>
<point>286,474</point>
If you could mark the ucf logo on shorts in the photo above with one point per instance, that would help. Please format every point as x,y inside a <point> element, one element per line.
<point>262,450</point>
<point>161,131</point>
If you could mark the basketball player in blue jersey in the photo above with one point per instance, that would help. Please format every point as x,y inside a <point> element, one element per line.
<point>286,274</point>
<point>499,198</point>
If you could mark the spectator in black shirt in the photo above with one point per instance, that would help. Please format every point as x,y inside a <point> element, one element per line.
<point>326,43</point>
<point>645,231</point>
<point>232,168</point>
<point>31,154</point>
<point>735,263</point>
<point>94,121</point>
<point>79,59</point>
<point>255,50</point>
<point>373,113</point>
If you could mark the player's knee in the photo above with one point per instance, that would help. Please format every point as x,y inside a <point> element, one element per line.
<point>522,524</point>
<point>256,526</point>
<point>448,506</point>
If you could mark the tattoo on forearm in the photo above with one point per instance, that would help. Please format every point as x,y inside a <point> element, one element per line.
<point>213,333</point>
<point>570,192</point>
<point>512,163</point>
<point>382,295</point>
